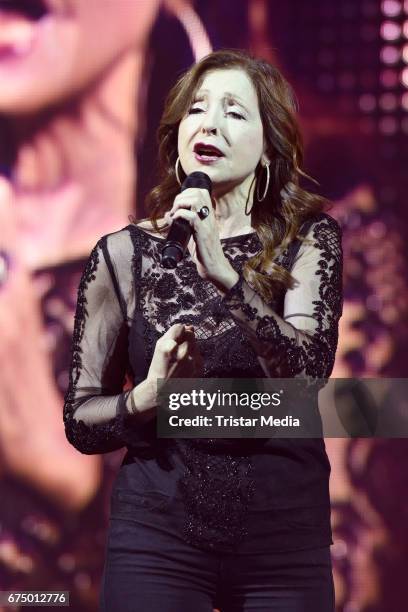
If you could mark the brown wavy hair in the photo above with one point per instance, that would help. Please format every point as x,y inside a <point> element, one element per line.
<point>278,217</point>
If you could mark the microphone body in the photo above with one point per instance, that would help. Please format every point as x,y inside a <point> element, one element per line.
<point>180,231</point>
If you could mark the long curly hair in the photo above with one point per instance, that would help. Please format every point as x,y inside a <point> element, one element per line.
<point>278,217</point>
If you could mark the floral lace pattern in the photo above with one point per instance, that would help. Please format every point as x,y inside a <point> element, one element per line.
<point>310,353</point>
<point>87,437</point>
<point>183,297</point>
<point>126,302</point>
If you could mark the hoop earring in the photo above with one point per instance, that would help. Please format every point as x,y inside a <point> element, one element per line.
<point>177,170</point>
<point>247,200</point>
<point>266,185</point>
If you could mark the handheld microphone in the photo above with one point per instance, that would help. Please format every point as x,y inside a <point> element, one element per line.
<point>180,231</point>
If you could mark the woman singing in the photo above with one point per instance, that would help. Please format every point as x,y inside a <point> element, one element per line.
<point>197,524</point>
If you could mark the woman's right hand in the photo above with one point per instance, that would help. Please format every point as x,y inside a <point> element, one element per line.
<point>176,355</point>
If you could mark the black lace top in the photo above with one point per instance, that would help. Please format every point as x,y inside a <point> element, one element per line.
<point>259,494</point>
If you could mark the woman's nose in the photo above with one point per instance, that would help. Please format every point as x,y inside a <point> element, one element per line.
<point>211,121</point>
<point>209,130</point>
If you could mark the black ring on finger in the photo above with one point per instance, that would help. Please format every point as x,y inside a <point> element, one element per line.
<point>203,212</point>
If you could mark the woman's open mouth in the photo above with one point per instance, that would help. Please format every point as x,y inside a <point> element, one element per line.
<point>206,153</point>
<point>19,22</point>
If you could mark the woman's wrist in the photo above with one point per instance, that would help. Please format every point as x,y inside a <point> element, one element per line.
<point>223,283</point>
<point>143,400</point>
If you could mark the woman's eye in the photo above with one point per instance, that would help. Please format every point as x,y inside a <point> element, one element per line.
<point>194,110</point>
<point>236,115</point>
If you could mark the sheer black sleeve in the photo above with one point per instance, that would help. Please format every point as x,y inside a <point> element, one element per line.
<point>97,412</point>
<point>303,343</point>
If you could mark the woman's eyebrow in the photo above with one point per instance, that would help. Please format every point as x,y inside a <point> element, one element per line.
<point>227,95</point>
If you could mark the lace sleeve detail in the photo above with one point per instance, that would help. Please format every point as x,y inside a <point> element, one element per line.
<point>95,412</point>
<point>303,343</point>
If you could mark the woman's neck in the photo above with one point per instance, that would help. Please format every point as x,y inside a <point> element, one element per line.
<point>230,209</point>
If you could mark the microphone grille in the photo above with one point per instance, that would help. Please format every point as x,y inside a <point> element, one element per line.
<point>197,179</point>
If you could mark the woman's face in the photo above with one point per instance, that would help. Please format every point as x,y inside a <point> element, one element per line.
<point>225,114</point>
<point>50,49</point>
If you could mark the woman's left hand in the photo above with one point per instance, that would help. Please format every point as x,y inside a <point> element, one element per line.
<point>207,252</point>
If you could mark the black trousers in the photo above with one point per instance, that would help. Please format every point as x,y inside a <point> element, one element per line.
<point>150,568</point>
